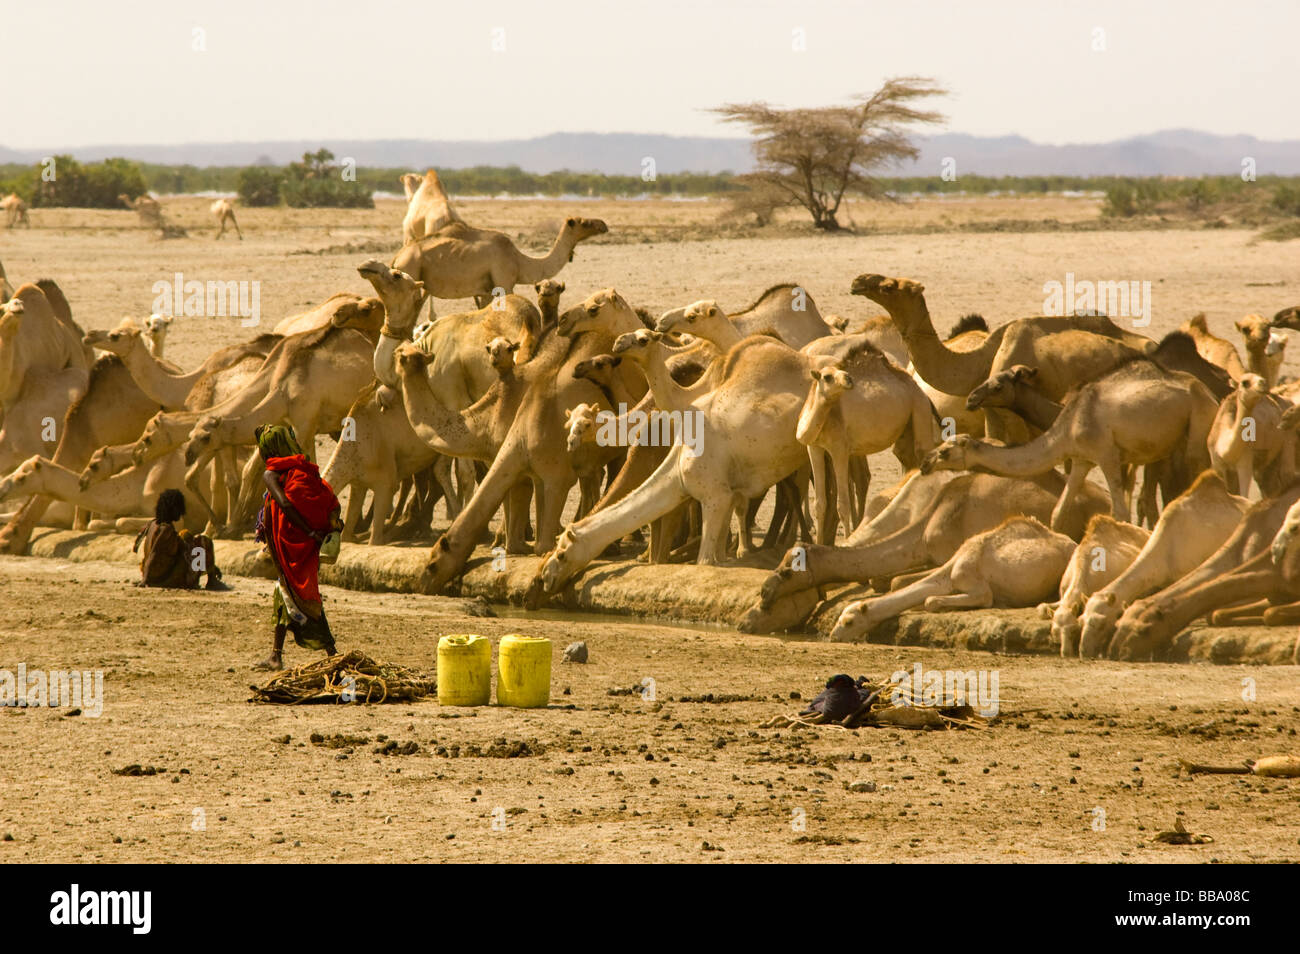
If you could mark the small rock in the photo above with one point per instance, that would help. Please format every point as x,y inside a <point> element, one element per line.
<point>862,786</point>
<point>575,653</point>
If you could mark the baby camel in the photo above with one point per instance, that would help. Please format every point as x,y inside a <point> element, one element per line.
<point>1017,563</point>
<point>1250,440</point>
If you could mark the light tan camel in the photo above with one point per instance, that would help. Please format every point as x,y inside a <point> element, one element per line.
<point>428,209</point>
<point>15,210</point>
<point>376,454</point>
<point>1265,348</point>
<point>1108,548</point>
<point>155,333</point>
<point>223,210</point>
<point>37,339</point>
<point>343,310</point>
<point>880,331</point>
<point>1135,414</point>
<point>31,426</point>
<point>860,405</point>
<point>6,290</point>
<point>1015,564</point>
<point>1067,350</point>
<point>548,300</point>
<point>1212,348</point>
<point>923,527</point>
<point>958,416</point>
<point>786,311</point>
<point>1248,442</point>
<point>1241,571</point>
<point>463,262</point>
<point>147,207</point>
<point>1190,528</point>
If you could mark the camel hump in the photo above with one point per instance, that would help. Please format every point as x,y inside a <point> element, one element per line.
<point>970,322</point>
<point>58,302</point>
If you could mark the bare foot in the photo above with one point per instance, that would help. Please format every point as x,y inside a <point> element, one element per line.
<point>271,663</point>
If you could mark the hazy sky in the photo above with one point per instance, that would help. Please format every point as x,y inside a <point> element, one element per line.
<point>95,72</point>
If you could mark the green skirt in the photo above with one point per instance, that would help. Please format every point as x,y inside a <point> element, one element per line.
<point>311,634</point>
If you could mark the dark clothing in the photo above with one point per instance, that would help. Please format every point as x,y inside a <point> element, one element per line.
<point>174,559</point>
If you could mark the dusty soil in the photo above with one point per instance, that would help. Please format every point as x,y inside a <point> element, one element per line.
<point>607,775</point>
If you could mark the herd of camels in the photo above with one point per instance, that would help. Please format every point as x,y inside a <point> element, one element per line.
<point>497,410</point>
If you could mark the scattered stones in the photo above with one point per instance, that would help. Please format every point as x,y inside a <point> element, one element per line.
<point>136,770</point>
<point>575,652</point>
<point>862,786</point>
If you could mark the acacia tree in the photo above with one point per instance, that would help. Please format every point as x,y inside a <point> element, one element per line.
<point>813,157</point>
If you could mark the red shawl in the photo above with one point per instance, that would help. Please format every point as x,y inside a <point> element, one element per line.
<point>296,554</point>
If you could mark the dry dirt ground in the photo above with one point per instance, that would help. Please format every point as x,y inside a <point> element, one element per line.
<point>616,777</point>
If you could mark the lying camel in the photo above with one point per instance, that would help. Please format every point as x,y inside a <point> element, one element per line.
<point>1249,441</point>
<point>923,527</point>
<point>785,311</point>
<point>1240,571</point>
<point>15,210</point>
<point>863,404</point>
<point>428,209</point>
<point>1108,548</point>
<point>462,262</point>
<point>223,210</point>
<point>1135,414</point>
<point>1216,350</point>
<point>1191,528</point>
<point>1015,564</point>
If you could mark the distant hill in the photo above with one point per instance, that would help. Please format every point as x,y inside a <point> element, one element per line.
<point>1178,152</point>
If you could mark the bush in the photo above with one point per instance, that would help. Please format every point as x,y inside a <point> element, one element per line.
<point>317,183</point>
<point>96,185</point>
<point>1286,198</point>
<point>260,186</point>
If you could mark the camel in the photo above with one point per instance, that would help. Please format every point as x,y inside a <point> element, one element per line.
<point>969,333</point>
<point>381,451</point>
<point>548,300</point>
<point>1135,414</point>
<point>44,399</point>
<point>428,209</point>
<point>922,527</point>
<point>6,290</point>
<point>342,309</point>
<point>15,210</point>
<point>1265,348</point>
<point>1249,442</point>
<point>132,493</point>
<point>147,207</point>
<point>462,262</point>
<point>223,210</point>
<point>785,311</point>
<point>1241,571</point>
<point>880,331</point>
<point>1108,548</point>
<point>861,405</point>
<point>1191,527</point>
<point>582,429</point>
<point>39,336</point>
<point>1015,564</point>
<point>1212,348</point>
<point>1068,351</point>
<point>309,380</point>
<point>155,333</point>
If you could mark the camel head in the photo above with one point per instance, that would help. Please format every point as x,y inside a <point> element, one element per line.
<point>400,294</point>
<point>950,455</point>
<point>11,319</point>
<point>366,315</point>
<point>410,183</point>
<point>853,623</point>
<point>1141,629</point>
<point>1250,389</point>
<point>13,485</point>
<point>501,352</point>
<point>126,200</point>
<point>597,369</point>
<point>831,381</point>
<point>410,359</point>
<point>579,230</point>
<point>96,469</point>
<point>1286,536</point>
<point>1255,330</point>
<point>555,568</point>
<point>684,318</point>
<point>895,295</point>
<point>119,341</point>
<point>605,310</point>
<point>201,437</point>
<point>155,328</point>
<point>548,295</point>
<point>1000,390</point>
<point>1287,318</point>
<point>1097,623</point>
<point>635,343</point>
<point>148,437</point>
<point>580,423</point>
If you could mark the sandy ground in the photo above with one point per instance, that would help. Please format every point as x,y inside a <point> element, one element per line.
<point>615,777</point>
<point>610,777</point>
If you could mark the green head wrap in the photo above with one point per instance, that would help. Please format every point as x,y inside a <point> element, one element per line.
<point>277,440</point>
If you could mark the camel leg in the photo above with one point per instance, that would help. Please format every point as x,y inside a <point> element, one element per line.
<point>844,491</point>
<point>821,502</point>
<point>979,596</point>
<point>516,518</point>
<point>551,495</point>
<point>238,231</point>
<point>1286,614</point>
<point>380,509</point>
<point>442,466</point>
<point>1245,614</point>
<point>1073,485</point>
<point>934,585</point>
<point>860,468</point>
<point>1245,473</point>
<point>1121,503</point>
<point>356,497</point>
<point>715,516</point>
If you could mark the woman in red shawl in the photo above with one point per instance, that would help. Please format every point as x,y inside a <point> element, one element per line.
<point>299,510</point>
